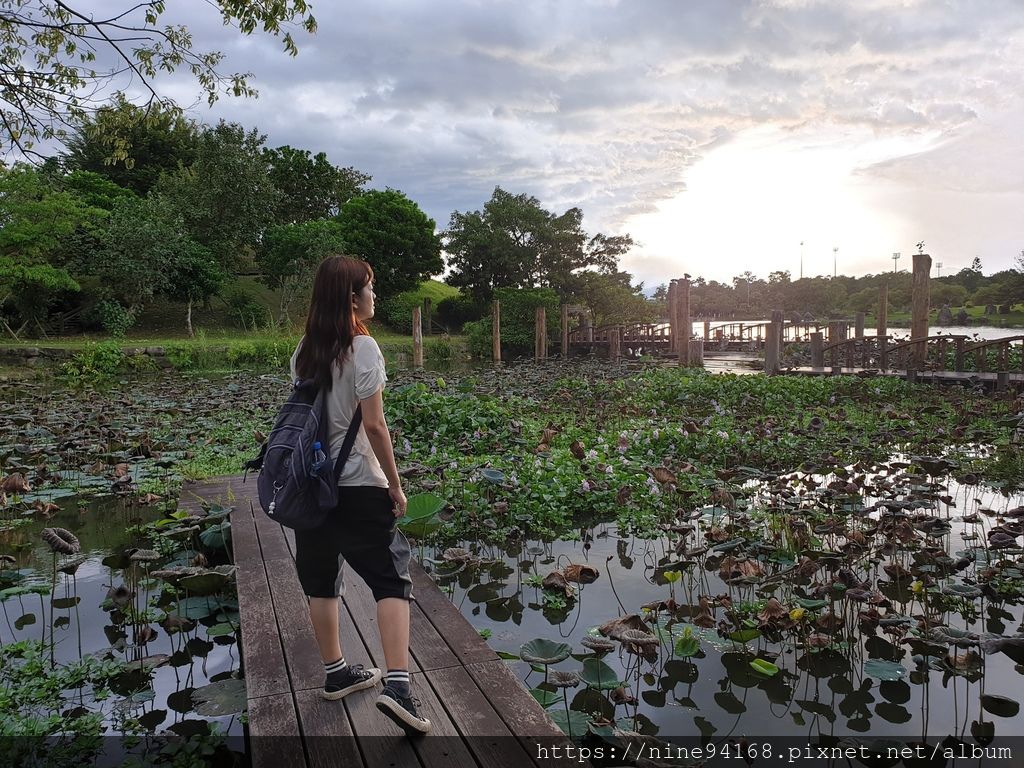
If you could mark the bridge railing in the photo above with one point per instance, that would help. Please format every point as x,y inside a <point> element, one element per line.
<point>940,352</point>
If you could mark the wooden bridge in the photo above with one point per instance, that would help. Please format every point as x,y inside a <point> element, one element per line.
<point>480,712</point>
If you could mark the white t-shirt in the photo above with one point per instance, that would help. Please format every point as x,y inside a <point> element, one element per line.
<point>360,376</point>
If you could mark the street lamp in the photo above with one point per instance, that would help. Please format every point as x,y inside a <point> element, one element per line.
<point>938,266</point>
<point>835,250</point>
<point>895,258</point>
<point>801,259</point>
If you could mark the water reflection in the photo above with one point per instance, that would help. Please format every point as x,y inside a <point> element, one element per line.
<point>900,621</point>
<point>103,609</point>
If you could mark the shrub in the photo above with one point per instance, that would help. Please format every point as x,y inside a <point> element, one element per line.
<point>247,310</point>
<point>518,317</point>
<point>455,311</point>
<point>96,361</point>
<point>396,312</point>
<point>114,318</point>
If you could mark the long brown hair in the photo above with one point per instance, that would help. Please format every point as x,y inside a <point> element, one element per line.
<point>331,324</point>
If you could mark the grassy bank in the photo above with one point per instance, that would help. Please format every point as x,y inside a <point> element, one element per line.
<point>975,316</point>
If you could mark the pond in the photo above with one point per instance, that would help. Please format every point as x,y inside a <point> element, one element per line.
<point>883,632</point>
<point>779,522</point>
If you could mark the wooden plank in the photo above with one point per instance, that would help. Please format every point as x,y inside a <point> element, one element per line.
<point>465,642</point>
<point>485,732</point>
<point>327,732</point>
<point>444,746</point>
<point>245,545</point>
<point>519,710</point>
<point>363,612</point>
<point>383,744</point>
<point>513,703</point>
<point>274,738</point>
<point>305,669</point>
<point>262,654</point>
<point>272,540</point>
<point>428,647</point>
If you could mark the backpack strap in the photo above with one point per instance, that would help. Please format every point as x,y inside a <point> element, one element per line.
<point>350,438</point>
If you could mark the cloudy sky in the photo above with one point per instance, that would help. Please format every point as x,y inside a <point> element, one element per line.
<point>719,133</point>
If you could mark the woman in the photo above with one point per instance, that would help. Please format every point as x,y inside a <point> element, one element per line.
<point>339,353</point>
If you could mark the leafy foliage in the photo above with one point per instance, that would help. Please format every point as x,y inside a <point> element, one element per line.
<point>311,187</point>
<point>391,232</point>
<point>289,255</point>
<point>515,243</point>
<point>54,46</point>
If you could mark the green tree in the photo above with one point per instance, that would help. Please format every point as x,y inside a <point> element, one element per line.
<point>35,218</point>
<point>311,187</point>
<point>146,250</point>
<point>31,289</point>
<point>49,51</point>
<point>193,276</point>
<point>612,298</point>
<point>225,199</point>
<point>390,231</point>
<point>94,190</point>
<point>514,242</point>
<point>158,141</point>
<point>289,255</point>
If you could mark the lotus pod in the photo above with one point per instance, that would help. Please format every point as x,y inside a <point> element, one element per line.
<point>581,574</point>
<point>577,450</point>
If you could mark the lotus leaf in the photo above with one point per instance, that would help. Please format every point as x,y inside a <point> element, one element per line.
<point>1000,706</point>
<point>224,697</point>
<point>544,698</point>
<point>884,670</point>
<point>544,651</point>
<point>206,583</point>
<point>574,724</point>
<point>763,667</point>
<point>598,675</point>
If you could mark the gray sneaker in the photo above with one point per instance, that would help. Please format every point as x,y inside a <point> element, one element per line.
<point>402,709</point>
<point>340,684</point>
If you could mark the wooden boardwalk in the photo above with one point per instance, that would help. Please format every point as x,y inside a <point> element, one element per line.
<point>481,713</point>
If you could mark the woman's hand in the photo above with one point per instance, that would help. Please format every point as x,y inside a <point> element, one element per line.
<point>398,498</point>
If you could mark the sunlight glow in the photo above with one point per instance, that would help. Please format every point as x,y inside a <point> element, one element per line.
<point>750,202</point>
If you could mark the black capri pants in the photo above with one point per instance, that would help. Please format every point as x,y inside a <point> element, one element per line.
<point>362,531</point>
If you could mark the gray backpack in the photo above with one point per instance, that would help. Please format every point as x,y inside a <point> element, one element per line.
<point>290,491</point>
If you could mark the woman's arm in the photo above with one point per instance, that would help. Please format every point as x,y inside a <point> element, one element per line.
<point>377,433</point>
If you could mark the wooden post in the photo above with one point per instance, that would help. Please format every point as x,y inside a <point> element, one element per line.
<point>672,317</point>
<point>779,321</point>
<point>771,350</point>
<point>614,341</point>
<point>817,350</point>
<point>883,352</point>
<point>426,314</point>
<point>496,331</point>
<point>565,331</point>
<point>881,329</point>
<point>683,325</point>
<point>696,353</point>
<point>958,353</point>
<point>540,335</point>
<point>707,330</point>
<point>1002,381</point>
<point>417,338</point>
<point>858,325</point>
<point>919,307</point>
